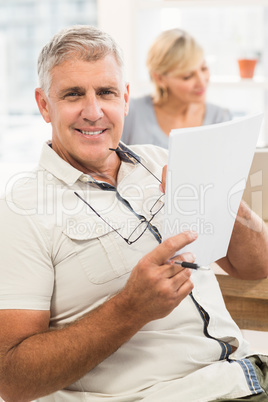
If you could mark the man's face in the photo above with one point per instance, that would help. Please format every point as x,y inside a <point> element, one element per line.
<point>86,106</point>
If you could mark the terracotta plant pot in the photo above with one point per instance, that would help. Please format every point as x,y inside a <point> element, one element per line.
<point>247,67</point>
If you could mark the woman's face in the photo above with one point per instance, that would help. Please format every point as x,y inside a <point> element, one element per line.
<point>189,87</point>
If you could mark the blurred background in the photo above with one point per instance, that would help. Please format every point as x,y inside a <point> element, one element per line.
<point>227,30</point>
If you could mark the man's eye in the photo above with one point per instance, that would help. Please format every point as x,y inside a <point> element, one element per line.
<point>107,92</point>
<point>72,94</point>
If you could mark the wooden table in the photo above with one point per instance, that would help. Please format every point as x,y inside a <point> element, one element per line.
<point>246,301</point>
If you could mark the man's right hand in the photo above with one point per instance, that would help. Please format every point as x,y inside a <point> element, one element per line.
<point>36,361</point>
<point>156,286</point>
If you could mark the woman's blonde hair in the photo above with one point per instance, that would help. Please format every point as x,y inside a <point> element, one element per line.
<point>173,50</point>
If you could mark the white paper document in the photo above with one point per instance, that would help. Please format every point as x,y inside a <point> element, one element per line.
<point>206,176</point>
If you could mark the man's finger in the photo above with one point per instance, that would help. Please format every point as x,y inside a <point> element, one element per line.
<point>170,247</point>
<point>162,186</point>
<point>187,257</point>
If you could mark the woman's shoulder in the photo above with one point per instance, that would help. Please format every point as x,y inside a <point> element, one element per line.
<point>141,100</point>
<point>140,110</point>
<point>139,124</point>
<point>216,114</point>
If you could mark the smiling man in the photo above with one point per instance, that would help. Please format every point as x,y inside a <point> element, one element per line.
<point>92,307</point>
<point>86,106</point>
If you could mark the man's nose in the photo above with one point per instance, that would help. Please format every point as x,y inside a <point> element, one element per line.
<point>92,109</point>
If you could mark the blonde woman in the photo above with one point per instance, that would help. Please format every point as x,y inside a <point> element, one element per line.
<point>180,76</point>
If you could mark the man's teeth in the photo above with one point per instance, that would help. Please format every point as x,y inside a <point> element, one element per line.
<point>91,132</point>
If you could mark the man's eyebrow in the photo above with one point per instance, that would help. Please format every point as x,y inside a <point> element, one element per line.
<point>107,88</point>
<point>113,89</point>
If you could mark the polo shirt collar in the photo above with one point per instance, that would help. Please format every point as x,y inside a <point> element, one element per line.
<point>126,154</point>
<point>65,172</point>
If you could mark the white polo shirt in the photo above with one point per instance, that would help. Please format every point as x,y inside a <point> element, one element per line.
<point>58,254</point>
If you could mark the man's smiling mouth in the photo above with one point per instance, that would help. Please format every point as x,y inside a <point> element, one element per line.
<point>91,132</point>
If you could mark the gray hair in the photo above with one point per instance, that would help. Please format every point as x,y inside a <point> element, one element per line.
<point>85,42</point>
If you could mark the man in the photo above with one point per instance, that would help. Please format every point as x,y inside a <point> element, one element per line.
<point>92,308</point>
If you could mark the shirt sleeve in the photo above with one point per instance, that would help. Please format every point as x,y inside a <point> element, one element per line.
<point>26,271</point>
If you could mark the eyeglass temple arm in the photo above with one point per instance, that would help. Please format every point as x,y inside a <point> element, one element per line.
<point>107,223</point>
<point>133,156</point>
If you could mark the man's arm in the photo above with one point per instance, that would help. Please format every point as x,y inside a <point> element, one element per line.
<point>36,361</point>
<point>247,256</point>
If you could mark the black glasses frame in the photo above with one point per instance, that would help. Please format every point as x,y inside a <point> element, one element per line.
<point>140,217</point>
<point>142,220</point>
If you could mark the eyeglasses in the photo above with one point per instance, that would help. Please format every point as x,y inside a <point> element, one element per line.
<point>144,224</point>
<point>141,227</point>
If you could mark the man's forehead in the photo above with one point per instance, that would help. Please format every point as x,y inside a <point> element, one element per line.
<point>107,62</point>
<point>105,70</point>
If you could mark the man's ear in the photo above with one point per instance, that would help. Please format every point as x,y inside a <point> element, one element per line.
<point>42,103</point>
<point>126,98</point>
